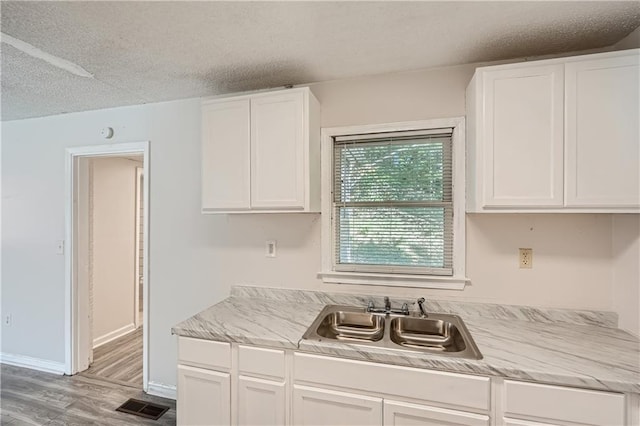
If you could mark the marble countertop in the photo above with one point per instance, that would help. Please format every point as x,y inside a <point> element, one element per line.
<point>572,348</point>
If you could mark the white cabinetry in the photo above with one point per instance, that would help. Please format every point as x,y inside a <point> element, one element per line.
<point>260,402</point>
<point>397,413</point>
<point>315,406</point>
<point>319,399</point>
<point>204,395</point>
<point>262,386</point>
<point>602,132</point>
<point>559,135</point>
<point>223,384</point>
<point>523,147</point>
<point>531,404</point>
<point>516,422</point>
<point>225,155</point>
<point>260,153</point>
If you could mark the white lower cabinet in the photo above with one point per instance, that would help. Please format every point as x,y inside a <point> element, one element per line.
<point>204,397</point>
<point>559,405</point>
<point>385,394</point>
<point>515,422</point>
<point>315,406</point>
<point>261,402</point>
<point>224,384</point>
<point>398,413</point>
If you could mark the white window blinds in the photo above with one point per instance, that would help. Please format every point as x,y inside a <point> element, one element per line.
<point>393,202</point>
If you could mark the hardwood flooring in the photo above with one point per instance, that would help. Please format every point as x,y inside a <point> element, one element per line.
<point>29,397</point>
<point>119,361</point>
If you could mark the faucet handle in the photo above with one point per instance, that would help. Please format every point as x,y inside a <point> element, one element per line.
<point>405,309</point>
<point>423,312</point>
<point>387,303</point>
<point>370,306</point>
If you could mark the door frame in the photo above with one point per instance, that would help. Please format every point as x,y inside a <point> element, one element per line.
<point>136,275</point>
<point>77,343</point>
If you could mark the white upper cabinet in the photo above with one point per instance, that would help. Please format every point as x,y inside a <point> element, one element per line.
<point>523,147</point>
<point>555,135</point>
<point>602,132</point>
<point>277,151</point>
<point>225,155</point>
<point>261,153</point>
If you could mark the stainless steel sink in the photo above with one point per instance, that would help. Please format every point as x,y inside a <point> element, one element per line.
<point>345,325</point>
<point>435,334</point>
<point>441,334</point>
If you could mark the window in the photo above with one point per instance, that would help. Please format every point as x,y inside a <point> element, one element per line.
<point>392,205</point>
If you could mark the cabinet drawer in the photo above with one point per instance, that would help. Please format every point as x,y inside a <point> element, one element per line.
<point>261,362</point>
<point>564,404</point>
<point>323,407</point>
<point>403,413</point>
<point>204,353</point>
<point>458,390</point>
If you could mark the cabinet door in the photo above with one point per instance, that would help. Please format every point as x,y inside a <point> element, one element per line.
<point>260,402</point>
<point>314,406</point>
<point>277,151</point>
<point>522,146</point>
<point>563,404</point>
<point>398,413</point>
<point>204,397</point>
<point>603,132</point>
<point>225,155</point>
<point>515,422</point>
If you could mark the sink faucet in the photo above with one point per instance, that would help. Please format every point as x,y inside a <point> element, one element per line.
<point>404,310</point>
<point>423,312</point>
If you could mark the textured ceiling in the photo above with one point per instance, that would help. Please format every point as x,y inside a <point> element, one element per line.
<point>142,52</point>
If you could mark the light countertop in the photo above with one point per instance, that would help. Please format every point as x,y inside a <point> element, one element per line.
<point>572,348</point>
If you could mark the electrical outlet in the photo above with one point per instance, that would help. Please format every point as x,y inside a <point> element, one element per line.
<point>7,320</point>
<point>526,258</point>
<point>270,248</point>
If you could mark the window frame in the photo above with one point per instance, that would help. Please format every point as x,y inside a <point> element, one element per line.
<point>386,276</point>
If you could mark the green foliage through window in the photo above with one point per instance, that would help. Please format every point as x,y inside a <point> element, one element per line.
<point>393,203</point>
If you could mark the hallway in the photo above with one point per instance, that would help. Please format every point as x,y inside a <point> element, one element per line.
<point>119,361</point>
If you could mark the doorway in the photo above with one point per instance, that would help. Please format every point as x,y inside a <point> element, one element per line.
<point>107,263</point>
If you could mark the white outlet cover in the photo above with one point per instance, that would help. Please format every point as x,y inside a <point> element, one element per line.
<point>270,248</point>
<point>60,247</point>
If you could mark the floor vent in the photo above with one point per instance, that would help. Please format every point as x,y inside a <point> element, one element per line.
<point>144,409</point>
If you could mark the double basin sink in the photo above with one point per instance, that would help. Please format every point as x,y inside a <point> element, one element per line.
<point>440,334</point>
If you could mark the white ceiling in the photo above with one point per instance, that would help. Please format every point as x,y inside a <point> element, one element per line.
<point>142,52</point>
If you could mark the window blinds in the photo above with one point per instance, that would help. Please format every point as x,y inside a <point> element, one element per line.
<point>393,203</point>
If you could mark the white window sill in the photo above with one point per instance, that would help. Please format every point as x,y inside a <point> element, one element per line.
<point>394,280</point>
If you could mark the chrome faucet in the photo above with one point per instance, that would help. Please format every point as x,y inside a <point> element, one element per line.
<point>423,312</point>
<point>404,310</point>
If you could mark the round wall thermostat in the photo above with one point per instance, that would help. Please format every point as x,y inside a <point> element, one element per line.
<point>107,132</point>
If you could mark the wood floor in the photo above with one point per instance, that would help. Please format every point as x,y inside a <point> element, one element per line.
<point>29,397</point>
<point>119,361</point>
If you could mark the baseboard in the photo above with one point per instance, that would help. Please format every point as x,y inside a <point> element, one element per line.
<point>165,391</point>
<point>33,363</point>
<point>113,335</point>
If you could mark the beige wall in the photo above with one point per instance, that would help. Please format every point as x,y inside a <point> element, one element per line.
<point>387,98</point>
<point>113,254</point>
<point>631,41</point>
<point>626,271</point>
